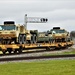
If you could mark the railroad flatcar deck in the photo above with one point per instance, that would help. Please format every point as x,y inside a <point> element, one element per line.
<point>14,47</point>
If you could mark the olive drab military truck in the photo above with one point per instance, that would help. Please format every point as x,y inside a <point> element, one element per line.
<point>11,33</point>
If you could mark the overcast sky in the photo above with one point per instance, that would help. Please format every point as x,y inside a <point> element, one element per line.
<point>59,13</point>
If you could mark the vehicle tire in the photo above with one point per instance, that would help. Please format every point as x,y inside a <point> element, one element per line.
<point>15,41</point>
<point>31,41</point>
<point>34,39</point>
<point>24,39</point>
<point>20,39</point>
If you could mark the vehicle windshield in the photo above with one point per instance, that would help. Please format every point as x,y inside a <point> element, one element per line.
<point>7,27</point>
<point>58,31</point>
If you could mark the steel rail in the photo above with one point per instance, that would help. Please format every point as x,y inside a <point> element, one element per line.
<point>35,57</point>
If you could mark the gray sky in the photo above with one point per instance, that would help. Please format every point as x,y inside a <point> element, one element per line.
<point>59,13</point>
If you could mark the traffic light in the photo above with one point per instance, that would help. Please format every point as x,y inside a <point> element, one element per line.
<point>44,19</point>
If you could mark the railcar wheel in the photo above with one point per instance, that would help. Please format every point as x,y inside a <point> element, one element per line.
<point>20,39</point>
<point>48,48</point>
<point>20,49</point>
<point>9,50</point>
<point>4,52</point>
<point>15,51</point>
<point>60,47</point>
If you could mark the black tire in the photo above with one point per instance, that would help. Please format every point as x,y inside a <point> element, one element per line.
<point>24,39</point>
<point>20,39</point>
<point>34,38</point>
<point>15,41</point>
<point>31,41</point>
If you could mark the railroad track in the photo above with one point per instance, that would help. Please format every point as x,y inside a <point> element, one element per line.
<point>36,57</point>
<point>33,54</point>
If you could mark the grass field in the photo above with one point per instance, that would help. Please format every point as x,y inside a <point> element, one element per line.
<point>72,51</point>
<point>52,67</point>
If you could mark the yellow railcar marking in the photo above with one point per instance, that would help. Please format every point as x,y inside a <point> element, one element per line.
<point>17,46</point>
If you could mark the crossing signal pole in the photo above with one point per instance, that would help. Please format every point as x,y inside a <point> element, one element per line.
<point>34,20</point>
<point>25,21</point>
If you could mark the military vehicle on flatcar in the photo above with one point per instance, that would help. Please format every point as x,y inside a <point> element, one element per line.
<point>60,35</point>
<point>11,33</point>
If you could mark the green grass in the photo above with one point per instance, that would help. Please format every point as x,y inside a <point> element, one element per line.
<point>71,52</point>
<point>62,53</point>
<point>52,67</point>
